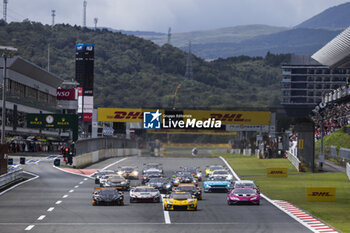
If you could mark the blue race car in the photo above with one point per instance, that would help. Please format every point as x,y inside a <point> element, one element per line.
<point>217,183</point>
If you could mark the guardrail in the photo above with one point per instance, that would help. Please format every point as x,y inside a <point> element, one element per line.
<point>294,160</point>
<point>348,170</point>
<point>94,144</point>
<point>344,154</point>
<point>333,151</point>
<point>95,156</point>
<point>12,175</point>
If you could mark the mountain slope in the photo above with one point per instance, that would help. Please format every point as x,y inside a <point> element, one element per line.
<point>133,72</point>
<point>336,17</point>
<point>298,41</point>
<point>221,35</point>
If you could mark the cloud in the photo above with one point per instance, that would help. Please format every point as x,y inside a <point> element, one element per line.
<point>181,15</point>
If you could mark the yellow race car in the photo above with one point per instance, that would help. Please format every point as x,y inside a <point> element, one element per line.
<point>180,201</point>
<point>209,171</point>
<point>129,172</point>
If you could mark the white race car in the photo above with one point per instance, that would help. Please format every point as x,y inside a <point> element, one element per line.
<point>144,193</point>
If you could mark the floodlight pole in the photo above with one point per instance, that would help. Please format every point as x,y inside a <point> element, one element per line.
<point>3,115</point>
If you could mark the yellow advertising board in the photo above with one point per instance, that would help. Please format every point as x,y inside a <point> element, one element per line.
<point>320,194</point>
<point>231,117</point>
<point>191,131</point>
<point>122,114</point>
<point>277,172</point>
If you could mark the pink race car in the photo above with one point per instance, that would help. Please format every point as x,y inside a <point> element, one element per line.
<point>243,195</point>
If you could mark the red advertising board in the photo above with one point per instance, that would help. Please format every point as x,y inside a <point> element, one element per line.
<point>65,94</point>
<point>87,117</point>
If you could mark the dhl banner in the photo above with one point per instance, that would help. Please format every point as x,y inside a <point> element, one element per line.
<point>277,172</point>
<point>320,194</point>
<point>231,117</point>
<point>190,131</point>
<point>226,117</point>
<point>123,114</point>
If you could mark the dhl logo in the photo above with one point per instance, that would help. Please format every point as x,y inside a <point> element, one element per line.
<point>122,114</point>
<point>229,117</point>
<point>126,115</point>
<point>277,172</point>
<point>320,194</point>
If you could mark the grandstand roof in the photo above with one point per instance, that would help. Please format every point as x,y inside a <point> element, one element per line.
<point>335,53</point>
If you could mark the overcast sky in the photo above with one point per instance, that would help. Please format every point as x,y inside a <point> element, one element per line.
<point>159,15</point>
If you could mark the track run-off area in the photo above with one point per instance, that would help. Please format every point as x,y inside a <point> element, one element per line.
<point>61,201</point>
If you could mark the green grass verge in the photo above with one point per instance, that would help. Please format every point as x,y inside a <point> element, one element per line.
<point>293,188</point>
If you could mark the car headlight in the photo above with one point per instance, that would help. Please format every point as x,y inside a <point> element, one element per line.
<point>132,195</point>
<point>199,174</point>
<point>120,172</point>
<point>167,186</point>
<point>135,173</point>
<point>190,200</point>
<point>253,198</point>
<point>170,202</point>
<point>123,183</point>
<point>234,198</point>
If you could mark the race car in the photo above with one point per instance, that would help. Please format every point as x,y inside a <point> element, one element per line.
<point>243,195</point>
<point>104,178</point>
<point>184,177</point>
<point>212,168</point>
<point>152,167</point>
<point>98,175</point>
<point>217,183</point>
<point>107,196</point>
<point>164,185</point>
<point>195,172</point>
<point>222,173</point>
<point>245,184</point>
<point>190,188</point>
<point>129,172</point>
<point>144,193</point>
<point>117,182</point>
<point>180,201</point>
<point>150,174</point>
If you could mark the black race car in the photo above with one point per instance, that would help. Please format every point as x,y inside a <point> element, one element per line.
<point>190,188</point>
<point>195,172</point>
<point>164,185</point>
<point>150,174</point>
<point>184,177</point>
<point>100,174</point>
<point>117,182</point>
<point>107,196</point>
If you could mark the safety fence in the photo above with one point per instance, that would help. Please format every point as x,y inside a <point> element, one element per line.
<point>247,152</point>
<point>348,170</point>
<point>294,160</point>
<point>12,175</point>
<point>344,153</point>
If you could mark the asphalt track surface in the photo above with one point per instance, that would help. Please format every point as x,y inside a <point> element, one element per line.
<point>61,202</point>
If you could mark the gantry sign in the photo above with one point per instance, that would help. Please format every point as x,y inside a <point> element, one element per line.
<point>54,121</point>
<point>226,118</point>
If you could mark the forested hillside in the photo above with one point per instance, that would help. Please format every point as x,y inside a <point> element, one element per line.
<point>133,72</point>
